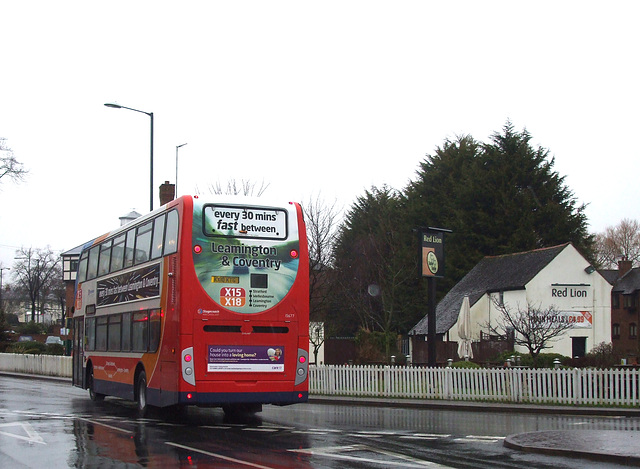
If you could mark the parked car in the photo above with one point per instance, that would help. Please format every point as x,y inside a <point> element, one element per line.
<point>52,339</point>
<point>25,338</point>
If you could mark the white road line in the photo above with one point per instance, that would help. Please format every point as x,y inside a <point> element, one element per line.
<point>32,435</point>
<point>218,456</point>
<point>96,422</point>
<point>337,452</point>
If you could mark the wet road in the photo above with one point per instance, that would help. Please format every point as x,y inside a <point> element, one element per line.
<point>50,424</point>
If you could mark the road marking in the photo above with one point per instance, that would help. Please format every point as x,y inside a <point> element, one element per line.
<point>218,456</point>
<point>257,429</point>
<point>336,452</point>
<point>309,432</point>
<point>425,436</point>
<point>479,439</point>
<point>32,435</point>
<point>96,422</point>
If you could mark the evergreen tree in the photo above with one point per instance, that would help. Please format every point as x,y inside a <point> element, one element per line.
<point>527,203</point>
<point>497,198</point>
<point>372,265</point>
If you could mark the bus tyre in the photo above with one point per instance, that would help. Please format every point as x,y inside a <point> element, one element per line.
<point>93,395</point>
<point>141,393</point>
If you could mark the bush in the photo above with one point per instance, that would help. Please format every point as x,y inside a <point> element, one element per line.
<point>600,356</point>
<point>54,349</point>
<point>372,346</point>
<point>463,364</point>
<point>27,347</point>
<point>543,360</point>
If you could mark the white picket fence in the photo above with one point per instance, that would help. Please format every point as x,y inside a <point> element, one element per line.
<point>577,386</point>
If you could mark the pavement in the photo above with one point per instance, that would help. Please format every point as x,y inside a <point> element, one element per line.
<point>618,446</point>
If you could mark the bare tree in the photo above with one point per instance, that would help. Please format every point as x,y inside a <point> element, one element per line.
<point>9,166</point>
<point>533,328</point>
<point>620,242</point>
<point>322,222</point>
<point>243,187</point>
<point>316,338</point>
<point>35,271</point>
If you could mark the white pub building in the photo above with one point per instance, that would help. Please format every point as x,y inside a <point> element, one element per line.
<point>558,277</point>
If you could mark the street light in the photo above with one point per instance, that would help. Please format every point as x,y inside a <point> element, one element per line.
<point>178,146</point>
<point>150,114</point>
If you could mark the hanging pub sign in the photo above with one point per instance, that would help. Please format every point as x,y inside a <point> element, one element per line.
<point>432,250</point>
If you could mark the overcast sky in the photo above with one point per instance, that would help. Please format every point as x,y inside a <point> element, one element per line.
<point>313,98</point>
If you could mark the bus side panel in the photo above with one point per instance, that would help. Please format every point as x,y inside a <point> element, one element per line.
<point>113,376</point>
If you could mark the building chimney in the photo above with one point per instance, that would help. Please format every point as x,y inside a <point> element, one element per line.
<point>624,266</point>
<point>167,192</point>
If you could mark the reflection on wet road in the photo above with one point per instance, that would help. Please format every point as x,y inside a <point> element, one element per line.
<point>48,424</point>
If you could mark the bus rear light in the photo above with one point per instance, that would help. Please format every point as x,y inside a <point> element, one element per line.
<point>189,395</point>
<point>197,249</point>
<point>300,395</point>
<point>302,370</point>
<point>187,368</point>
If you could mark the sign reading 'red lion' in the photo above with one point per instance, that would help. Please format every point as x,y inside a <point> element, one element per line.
<point>432,253</point>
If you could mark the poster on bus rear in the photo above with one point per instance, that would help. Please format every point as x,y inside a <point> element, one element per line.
<point>237,358</point>
<point>246,257</point>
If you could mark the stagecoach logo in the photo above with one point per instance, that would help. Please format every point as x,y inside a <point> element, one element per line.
<point>134,285</point>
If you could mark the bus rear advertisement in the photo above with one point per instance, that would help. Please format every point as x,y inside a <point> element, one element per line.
<point>197,303</point>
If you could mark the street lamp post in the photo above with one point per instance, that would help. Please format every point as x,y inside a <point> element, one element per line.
<point>177,146</point>
<point>150,114</point>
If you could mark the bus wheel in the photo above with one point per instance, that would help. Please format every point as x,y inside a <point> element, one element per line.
<point>141,393</point>
<point>93,395</point>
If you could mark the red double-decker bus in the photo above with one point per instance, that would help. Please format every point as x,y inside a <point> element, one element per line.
<point>197,303</point>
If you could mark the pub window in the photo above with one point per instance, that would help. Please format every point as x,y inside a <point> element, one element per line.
<point>117,253</point>
<point>115,330</point>
<point>154,329</point>
<point>143,243</point>
<point>130,246</point>
<point>633,330</point>
<point>90,333</point>
<point>628,301</point>
<point>105,258</point>
<point>101,333</point>
<point>126,332</point>
<point>158,236</point>
<point>171,236</point>
<point>140,332</point>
